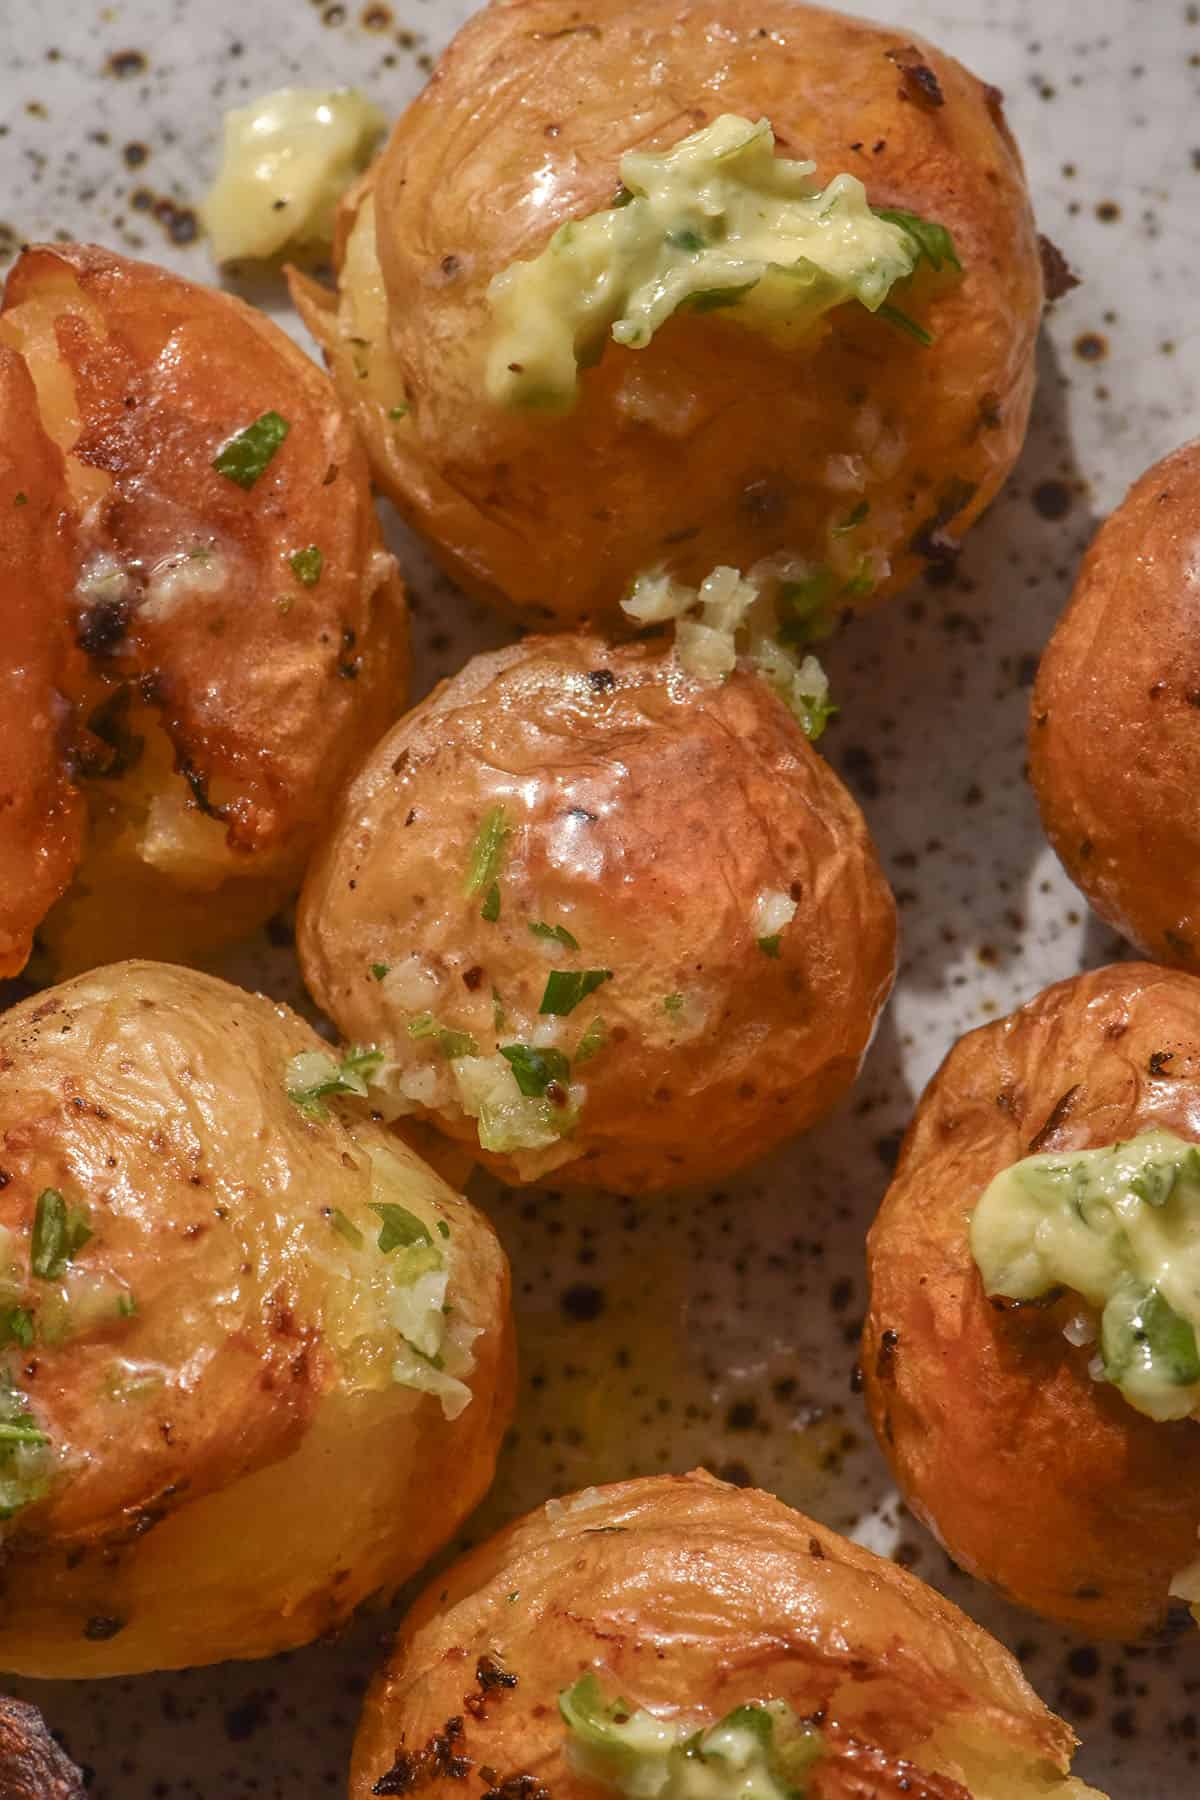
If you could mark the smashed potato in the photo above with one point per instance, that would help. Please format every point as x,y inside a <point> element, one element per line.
<point>1114,737</point>
<point>601,917</point>
<point>234,630</point>
<point>598,1634</point>
<point>32,1767</point>
<point>1006,1434</point>
<point>728,437</point>
<point>243,1337</point>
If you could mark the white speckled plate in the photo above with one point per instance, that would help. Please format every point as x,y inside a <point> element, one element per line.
<point>723,1330</point>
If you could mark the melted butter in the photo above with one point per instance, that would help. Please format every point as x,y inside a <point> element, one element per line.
<point>286,161</point>
<point>1120,1226</point>
<point>717,222</point>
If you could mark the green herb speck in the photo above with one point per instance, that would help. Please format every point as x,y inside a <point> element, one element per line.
<point>245,457</point>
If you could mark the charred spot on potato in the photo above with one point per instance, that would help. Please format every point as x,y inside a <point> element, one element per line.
<point>601,681</point>
<point>1059,1113</point>
<point>101,628</point>
<point>929,540</point>
<point>1058,276</point>
<point>438,1760</point>
<point>919,84</point>
<point>100,1628</point>
<point>885,1356</point>
<point>518,1787</point>
<point>1159,1060</point>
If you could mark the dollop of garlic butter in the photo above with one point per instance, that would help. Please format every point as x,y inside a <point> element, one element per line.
<point>716,222</point>
<point>287,158</point>
<point>1120,1227</point>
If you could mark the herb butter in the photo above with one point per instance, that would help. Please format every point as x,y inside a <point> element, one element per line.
<point>286,161</point>
<point>1120,1226</point>
<point>717,222</point>
<point>756,1752</point>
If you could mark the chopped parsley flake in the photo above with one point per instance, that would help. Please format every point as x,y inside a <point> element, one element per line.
<point>379,970</point>
<point>16,1327</point>
<point>452,1044</point>
<point>853,520</point>
<point>443,1228</point>
<point>499,1016</point>
<point>398,412</point>
<point>346,1228</point>
<point>126,1305</point>
<point>307,565</point>
<point>59,1232</point>
<point>557,934</point>
<point>23,1467</point>
<point>245,457</point>
<point>487,853</point>
<point>592,1041</point>
<point>673,1003</point>
<point>315,1074</point>
<point>769,945</point>
<point>20,499</point>
<point>565,988</point>
<point>534,1069</point>
<point>933,242</point>
<point>400,1228</point>
<point>903,322</point>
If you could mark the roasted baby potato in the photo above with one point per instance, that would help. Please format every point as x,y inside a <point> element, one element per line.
<point>769,413</point>
<point>594,1639</point>
<point>237,632</point>
<point>1114,737</point>
<point>32,1767</point>
<point>601,917</point>
<point>41,813</point>
<point>256,1356</point>
<point>1006,1415</point>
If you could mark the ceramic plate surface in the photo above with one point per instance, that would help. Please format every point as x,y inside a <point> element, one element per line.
<point>722,1329</point>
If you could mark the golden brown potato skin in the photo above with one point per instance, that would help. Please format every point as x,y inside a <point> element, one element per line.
<point>1114,736</point>
<point>713,445</point>
<point>216,717</point>
<point>683,1594</point>
<point>41,814</point>
<point>649,810</point>
<point>1035,1477</point>
<point>231,1427</point>
<point>32,1767</point>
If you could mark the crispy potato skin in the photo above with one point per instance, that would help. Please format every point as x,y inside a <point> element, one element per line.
<point>41,815</point>
<point>32,1767</point>
<point>225,1427</point>
<point>226,700</point>
<point>712,445</point>
<point>649,811</point>
<point>1034,1477</point>
<point>1114,736</point>
<point>683,1594</point>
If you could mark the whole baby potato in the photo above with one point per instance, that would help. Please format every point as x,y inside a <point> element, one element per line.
<point>690,1599</point>
<point>234,631</point>
<point>602,917</point>
<point>1034,1475</point>
<point>218,1429</point>
<point>1114,736</point>
<point>717,444</point>
<point>41,812</point>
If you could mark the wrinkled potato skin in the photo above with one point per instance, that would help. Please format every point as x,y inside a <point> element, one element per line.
<point>32,1767</point>
<point>1035,1478</point>
<point>41,815</point>
<point>287,1491</point>
<point>255,697</point>
<point>685,1594</point>
<point>650,809</point>
<point>1114,737</point>
<point>711,446</point>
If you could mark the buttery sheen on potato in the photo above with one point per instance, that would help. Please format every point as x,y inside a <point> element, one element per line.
<point>1114,736</point>
<point>601,917</point>
<point>231,1403</point>
<point>1034,1472</point>
<point>722,441</point>
<point>210,628</point>
<point>699,1606</point>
